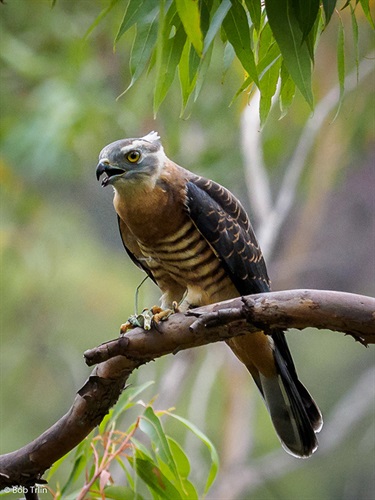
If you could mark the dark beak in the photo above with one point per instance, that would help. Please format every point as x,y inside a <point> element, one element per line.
<point>100,169</point>
<point>104,167</point>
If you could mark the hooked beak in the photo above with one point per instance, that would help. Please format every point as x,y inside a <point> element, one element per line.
<point>104,167</point>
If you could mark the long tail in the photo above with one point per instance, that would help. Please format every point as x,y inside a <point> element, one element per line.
<point>294,414</point>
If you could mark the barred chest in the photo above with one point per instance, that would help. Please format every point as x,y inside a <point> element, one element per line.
<point>186,259</point>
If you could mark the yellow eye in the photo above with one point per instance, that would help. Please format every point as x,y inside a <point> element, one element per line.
<point>133,156</point>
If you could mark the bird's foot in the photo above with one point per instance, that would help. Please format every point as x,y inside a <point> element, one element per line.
<point>163,314</point>
<point>148,316</point>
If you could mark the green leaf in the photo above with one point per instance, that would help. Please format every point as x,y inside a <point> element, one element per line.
<point>265,42</point>
<point>125,401</point>
<point>206,7</point>
<point>169,50</point>
<point>180,458</point>
<point>101,16</point>
<point>202,71</point>
<point>81,454</point>
<point>142,448</point>
<point>288,35</point>
<point>187,488</point>
<point>267,85</point>
<point>229,55</point>
<point>355,38</point>
<point>129,479</point>
<point>184,74</point>
<point>143,45</point>
<point>216,23</point>
<point>150,424</point>
<point>255,10</point>
<point>188,69</point>
<point>366,9</point>
<point>329,7</point>
<point>188,10</point>
<point>56,466</point>
<point>113,492</point>
<point>136,11</point>
<point>151,474</point>
<point>269,58</point>
<point>340,63</point>
<point>306,12</point>
<point>237,30</point>
<point>79,465</point>
<point>314,35</point>
<point>213,453</point>
<point>287,91</point>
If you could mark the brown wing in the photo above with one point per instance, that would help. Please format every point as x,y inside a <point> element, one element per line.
<point>223,222</point>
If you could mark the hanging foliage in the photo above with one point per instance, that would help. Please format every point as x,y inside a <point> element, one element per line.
<point>271,39</point>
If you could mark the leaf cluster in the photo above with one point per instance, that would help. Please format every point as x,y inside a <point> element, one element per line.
<point>273,41</point>
<point>151,461</point>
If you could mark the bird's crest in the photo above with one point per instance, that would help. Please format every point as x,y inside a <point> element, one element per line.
<point>151,137</point>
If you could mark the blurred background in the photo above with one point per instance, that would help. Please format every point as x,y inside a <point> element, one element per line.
<point>67,284</point>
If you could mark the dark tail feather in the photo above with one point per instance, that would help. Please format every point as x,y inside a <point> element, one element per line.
<point>294,413</point>
<point>310,406</point>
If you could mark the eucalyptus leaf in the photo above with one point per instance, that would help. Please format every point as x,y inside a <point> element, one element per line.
<point>216,23</point>
<point>306,12</point>
<point>289,37</point>
<point>255,10</point>
<point>313,37</point>
<point>114,492</point>
<point>170,47</point>
<point>268,84</point>
<point>237,31</point>
<point>136,11</point>
<point>341,64</point>
<point>202,71</point>
<point>100,17</point>
<point>150,424</point>
<point>366,9</point>
<point>287,90</point>
<point>213,453</point>
<point>143,45</point>
<point>355,38</point>
<point>328,7</point>
<point>186,82</point>
<point>189,13</point>
<point>180,457</point>
<point>80,463</point>
<point>151,474</point>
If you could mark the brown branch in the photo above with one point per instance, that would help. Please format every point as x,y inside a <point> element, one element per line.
<point>348,313</point>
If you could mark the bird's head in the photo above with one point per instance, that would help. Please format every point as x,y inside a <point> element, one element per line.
<point>130,161</point>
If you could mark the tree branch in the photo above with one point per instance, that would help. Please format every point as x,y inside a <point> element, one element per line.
<point>338,311</point>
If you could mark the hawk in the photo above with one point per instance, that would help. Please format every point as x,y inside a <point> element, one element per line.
<point>195,241</point>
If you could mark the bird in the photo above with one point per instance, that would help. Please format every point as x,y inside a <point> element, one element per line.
<point>194,239</point>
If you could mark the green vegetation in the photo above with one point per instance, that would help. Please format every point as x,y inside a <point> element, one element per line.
<point>159,463</point>
<point>278,41</point>
<point>67,285</point>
